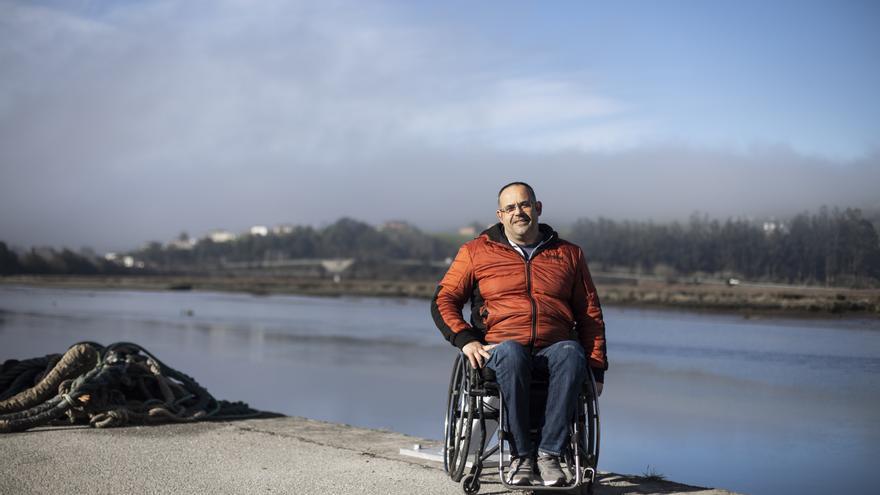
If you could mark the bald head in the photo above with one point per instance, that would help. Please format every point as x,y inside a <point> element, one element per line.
<point>531,192</point>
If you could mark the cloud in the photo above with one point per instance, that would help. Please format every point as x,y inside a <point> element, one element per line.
<point>289,79</point>
<point>131,121</point>
<point>537,114</point>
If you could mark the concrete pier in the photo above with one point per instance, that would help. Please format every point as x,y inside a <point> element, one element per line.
<point>281,455</point>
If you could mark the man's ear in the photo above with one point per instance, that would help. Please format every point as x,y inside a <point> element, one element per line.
<point>538,207</point>
<point>498,214</point>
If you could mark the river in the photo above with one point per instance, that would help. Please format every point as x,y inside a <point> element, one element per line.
<point>762,406</point>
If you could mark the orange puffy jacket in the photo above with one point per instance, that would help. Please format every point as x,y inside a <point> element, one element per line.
<point>538,302</point>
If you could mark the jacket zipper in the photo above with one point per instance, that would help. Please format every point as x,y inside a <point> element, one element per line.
<point>534,336</point>
<point>528,261</point>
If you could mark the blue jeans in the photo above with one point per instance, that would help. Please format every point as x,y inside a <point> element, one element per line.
<point>565,364</point>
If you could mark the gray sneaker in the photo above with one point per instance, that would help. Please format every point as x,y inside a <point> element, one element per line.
<point>551,471</point>
<point>522,472</point>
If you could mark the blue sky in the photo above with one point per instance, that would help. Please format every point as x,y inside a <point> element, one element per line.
<point>124,122</point>
<point>721,74</point>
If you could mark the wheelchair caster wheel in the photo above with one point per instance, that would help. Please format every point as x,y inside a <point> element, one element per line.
<point>470,484</point>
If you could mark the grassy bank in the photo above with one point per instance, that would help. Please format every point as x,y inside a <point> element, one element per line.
<point>746,299</point>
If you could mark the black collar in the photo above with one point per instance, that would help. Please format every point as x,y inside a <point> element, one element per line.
<point>496,233</point>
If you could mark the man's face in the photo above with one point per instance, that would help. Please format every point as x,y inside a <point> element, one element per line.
<point>518,213</point>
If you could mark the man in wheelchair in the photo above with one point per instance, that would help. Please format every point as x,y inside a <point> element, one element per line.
<point>535,311</point>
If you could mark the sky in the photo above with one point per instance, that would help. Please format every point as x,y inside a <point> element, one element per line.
<point>123,122</point>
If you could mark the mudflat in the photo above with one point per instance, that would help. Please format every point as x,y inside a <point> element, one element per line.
<point>744,298</point>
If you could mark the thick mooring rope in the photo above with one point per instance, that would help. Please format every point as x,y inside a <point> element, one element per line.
<point>101,386</point>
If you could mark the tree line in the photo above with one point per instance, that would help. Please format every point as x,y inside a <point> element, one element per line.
<point>396,251</point>
<point>48,261</point>
<point>829,247</point>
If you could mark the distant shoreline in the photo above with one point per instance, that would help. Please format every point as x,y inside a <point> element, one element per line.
<point>809,302</point>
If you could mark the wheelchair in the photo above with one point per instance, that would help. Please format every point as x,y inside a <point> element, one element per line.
<point>475,414</point>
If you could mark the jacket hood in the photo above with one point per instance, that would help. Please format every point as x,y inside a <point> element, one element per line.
<point>496,233</point>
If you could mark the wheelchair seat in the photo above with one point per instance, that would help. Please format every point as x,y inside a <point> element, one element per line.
<point>488,374</point>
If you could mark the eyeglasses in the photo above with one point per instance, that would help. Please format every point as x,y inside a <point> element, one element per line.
<point>525,205</point>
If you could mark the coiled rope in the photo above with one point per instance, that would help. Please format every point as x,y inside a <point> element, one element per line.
<point>117,385</point>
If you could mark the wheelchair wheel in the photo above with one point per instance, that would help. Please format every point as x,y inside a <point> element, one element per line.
<point>590,452</point>
<point>460,412</point>
<point>591,408</point>
<point>586,441</point>
<point>470,484</point>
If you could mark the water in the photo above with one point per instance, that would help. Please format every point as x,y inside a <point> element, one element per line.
<point>756,406</point>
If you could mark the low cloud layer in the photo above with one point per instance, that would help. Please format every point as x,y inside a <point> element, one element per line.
<point>133,122</point>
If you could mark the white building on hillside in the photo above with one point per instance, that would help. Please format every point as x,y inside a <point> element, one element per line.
<point>185,244</point>
<point>221,236</point>
<point>283,228</point>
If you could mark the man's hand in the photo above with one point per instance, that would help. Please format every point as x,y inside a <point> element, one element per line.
<point>477,353</point>
<point>598,389</point>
